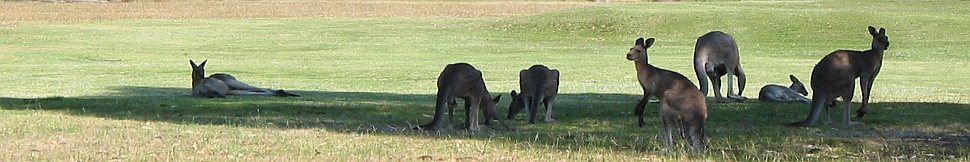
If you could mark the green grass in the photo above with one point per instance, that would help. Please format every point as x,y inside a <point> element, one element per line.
<point>119,89</point>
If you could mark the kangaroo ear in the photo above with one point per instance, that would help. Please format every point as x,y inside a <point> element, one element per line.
<point>648,43</point>
<point>193,64</point>
<point>513,94</point>
<point>497,98</point>
<point>872,30</point>
<point>202,64</point>
<point>639,41</point>
<point>882,31</point>
<point>792,77</point>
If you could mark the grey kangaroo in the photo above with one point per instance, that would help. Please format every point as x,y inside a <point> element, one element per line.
<point>778,93</point>
<point>716,55</point>
<point>682,105</point>
<point>221,85</point>
<point>834,76</point>
<point>461,80</point>
<point>539,85</point>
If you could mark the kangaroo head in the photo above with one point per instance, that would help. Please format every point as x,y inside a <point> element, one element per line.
<point>797,85</point>
<point>639,50</point>
<point>496,99</point>
<point>517,101</point>
<point>491,105</point>
<point>198,71</point>
<point>879,39</point>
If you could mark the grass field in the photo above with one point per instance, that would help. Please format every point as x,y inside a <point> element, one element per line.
<point>111,81</point>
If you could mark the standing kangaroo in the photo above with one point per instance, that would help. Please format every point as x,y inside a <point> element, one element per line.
<point>461,80</point>
<point>716,54</point>
<point>778,93</point>
<point>682,105</point>
<point>539,85</point>
<point>220,85</point>
<point>835,74</point>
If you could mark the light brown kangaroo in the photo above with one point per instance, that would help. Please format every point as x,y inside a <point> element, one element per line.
<point>221,85</point>
<point>716,54</point>
<point>778,93</point>
<point>539,85</point>
<point>682,105</point>
<point>835,74</point>
<point>461,80</point>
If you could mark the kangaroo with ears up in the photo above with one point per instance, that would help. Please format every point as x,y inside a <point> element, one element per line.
<point>461,80</point>
<point>682,105</point>
<point>539,85</point>
<point>716,55</point>
<point>778,93</point>
<point>221,85</point>
<point>834,76</point>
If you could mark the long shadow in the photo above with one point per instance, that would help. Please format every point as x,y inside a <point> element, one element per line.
<point>331,110</point>
<point>581,118</point>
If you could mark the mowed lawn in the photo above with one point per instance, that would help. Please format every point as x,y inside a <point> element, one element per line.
<point>111,81</point>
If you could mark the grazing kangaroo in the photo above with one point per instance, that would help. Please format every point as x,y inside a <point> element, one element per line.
<point>778,93</point>
<point>539,85</point>
<point>716,54</point>
<point>682,105</point>
<point>835,74</point>
<point>220,85</point>
<point>461,80</point>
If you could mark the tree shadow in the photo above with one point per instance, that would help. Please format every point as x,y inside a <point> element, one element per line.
<point>332,110</point>
<point>582,119</point>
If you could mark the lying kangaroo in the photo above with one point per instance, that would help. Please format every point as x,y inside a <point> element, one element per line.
<point>220,85</point>
<point>778,93</point>
<point>716,54</point>
<point>539,85</point>
<point>835,74</point>
<point>461,80</point>
<point>682,105</point>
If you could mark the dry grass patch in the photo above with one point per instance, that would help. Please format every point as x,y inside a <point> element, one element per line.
<point>70,12</point>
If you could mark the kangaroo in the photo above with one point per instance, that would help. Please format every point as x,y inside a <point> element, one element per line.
<point>778,93</point>
<point>682,105</point>
<point>461,80</point>
<point>539,85</point>
<point>835,74</point>
<point>220,85</point>
<point>716,54</point>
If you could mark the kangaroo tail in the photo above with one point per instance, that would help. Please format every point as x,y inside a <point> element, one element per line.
<point>441,107</point>
<point>818,103</point>
<point>538,93</point>
<point>282,93</point>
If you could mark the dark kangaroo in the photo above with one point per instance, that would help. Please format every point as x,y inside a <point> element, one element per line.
<point>539,85</point>
<point>682,105</point>
<point>835,74</point>
<point>461,80</point>
<point>778,93</point>
<point>221,85</point>
<point>716,55</point>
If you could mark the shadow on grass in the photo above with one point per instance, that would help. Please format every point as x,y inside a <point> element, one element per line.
<point>587,119</point>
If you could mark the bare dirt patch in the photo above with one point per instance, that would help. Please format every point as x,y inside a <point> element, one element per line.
<point>15,12</point>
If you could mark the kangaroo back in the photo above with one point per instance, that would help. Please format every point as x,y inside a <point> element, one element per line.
<point>834,76</point>
<point>715,55</point>
<point>682,106</point>
<point>463,81</point>
<point>539,85</point>
<point>777,93</point>
<point>220,85</point>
